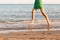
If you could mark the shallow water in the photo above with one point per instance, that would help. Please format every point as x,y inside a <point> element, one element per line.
<point>25,26</point>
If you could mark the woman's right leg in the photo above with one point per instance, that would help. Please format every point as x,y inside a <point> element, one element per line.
<point>45,15</point>
<point>33,14</point>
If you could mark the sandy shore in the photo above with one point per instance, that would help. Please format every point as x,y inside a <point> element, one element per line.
<point>31,35</point>
<point>26,31</point>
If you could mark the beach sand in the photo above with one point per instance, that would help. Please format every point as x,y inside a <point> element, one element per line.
<point>25,31</point>
<point>31,35</point>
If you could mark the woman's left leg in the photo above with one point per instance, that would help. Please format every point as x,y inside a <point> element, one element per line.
<point>33,14</point>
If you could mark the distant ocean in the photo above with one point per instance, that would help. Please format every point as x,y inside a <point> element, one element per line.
<point>18,12</point>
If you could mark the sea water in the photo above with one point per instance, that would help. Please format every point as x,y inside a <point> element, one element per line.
<point>21,12</point>
<point>18,12</point>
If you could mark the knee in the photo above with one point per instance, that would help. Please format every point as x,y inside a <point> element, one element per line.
<point>33,11</point>
<point>45,15</point>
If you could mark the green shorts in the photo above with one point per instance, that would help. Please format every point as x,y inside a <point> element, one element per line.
<point>38,4</point>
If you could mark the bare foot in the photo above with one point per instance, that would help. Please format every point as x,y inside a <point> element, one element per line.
<point>48,25</point>
<point>32,22</point>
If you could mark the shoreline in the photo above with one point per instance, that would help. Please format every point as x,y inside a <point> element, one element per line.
<point>38,24</point>
<point>31,30</point>
<point>26,31</point>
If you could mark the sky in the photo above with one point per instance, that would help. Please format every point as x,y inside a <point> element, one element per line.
<point>28,1</point>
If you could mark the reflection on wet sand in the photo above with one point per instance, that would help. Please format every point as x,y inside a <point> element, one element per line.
<point>32,27</point>
<point>48,27</point>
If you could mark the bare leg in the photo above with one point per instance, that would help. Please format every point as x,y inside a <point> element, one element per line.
<point>33,13</point>
<point>46,17</point>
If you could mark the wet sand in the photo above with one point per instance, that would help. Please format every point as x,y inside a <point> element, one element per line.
<point>26,31</point>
